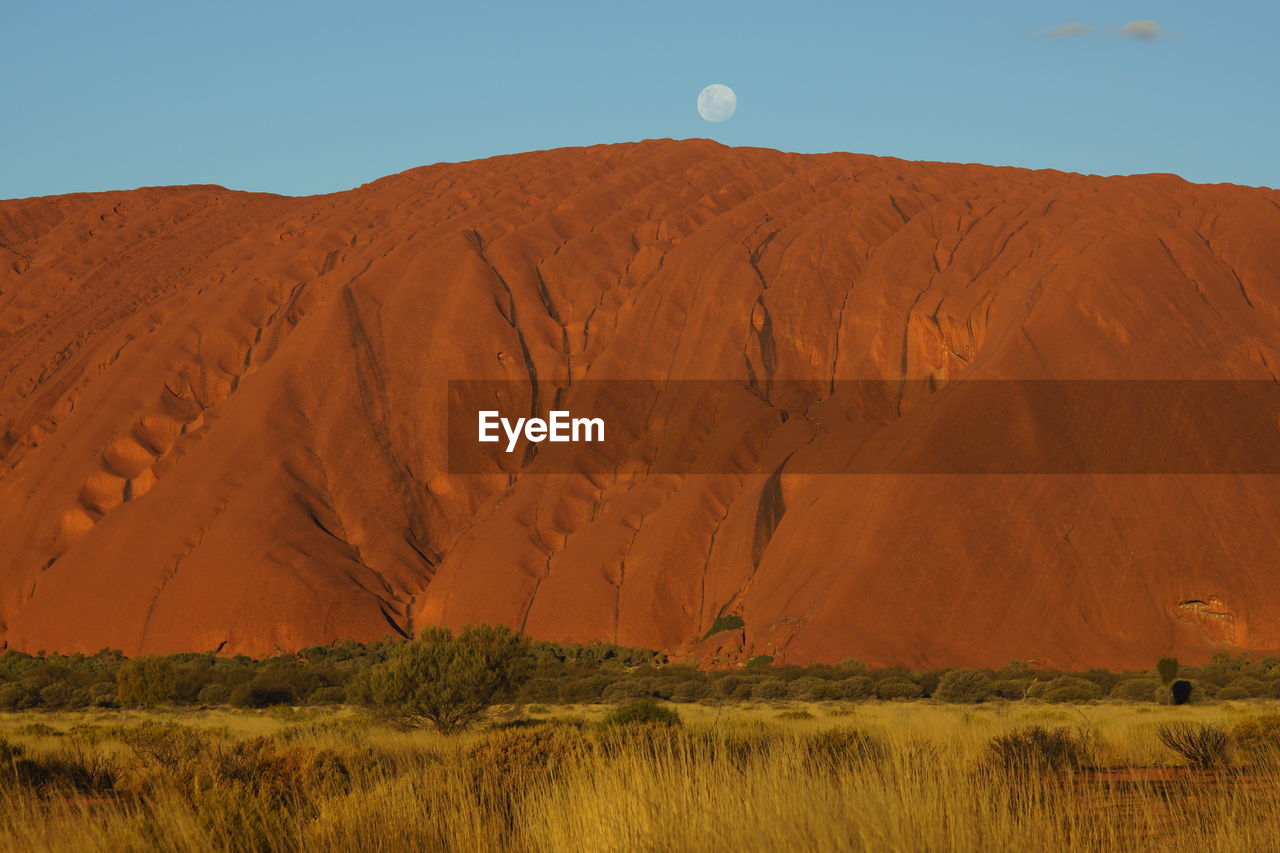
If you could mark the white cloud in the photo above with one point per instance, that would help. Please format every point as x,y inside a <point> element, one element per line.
<point>1144,30</point>
<point>1071,30</point>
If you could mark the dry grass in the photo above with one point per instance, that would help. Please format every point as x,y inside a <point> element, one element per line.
<point>734,778</point>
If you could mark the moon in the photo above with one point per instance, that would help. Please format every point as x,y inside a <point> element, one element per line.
<point>717,103</point>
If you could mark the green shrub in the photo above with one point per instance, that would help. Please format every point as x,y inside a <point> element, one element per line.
<point>1251,687</point>
<point>854,687</point>
<point>692,690</point>
<point>809,688</point>
<point>331,695</point>
<point>1067,688</point>
<point>146,681</point>
<point>898,688</point>
<point>539,690</point>
<point>17,697</point>
<point>769,689</point>
<point>1231,693</point>
<point>963,686</point>
<point>1010,688</point>
<point>214,694</point>
<point>451,681</point>
<point>729,622</point>
<point>627,690</point>
<point>646,711</point>
<point>760,661</point>
<point>587,689</point>
<point>1136,690</point>
<point>1036,750</point>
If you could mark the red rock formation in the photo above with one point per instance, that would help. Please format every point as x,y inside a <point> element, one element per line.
<point>222,412</point>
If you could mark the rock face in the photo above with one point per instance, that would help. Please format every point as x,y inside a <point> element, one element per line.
<point>222,412</point>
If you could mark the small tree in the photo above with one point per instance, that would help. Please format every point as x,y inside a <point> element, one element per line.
<point>963,685</point>
<point>451,681</point>
<point>146,681</point>
<point>1167,668</point>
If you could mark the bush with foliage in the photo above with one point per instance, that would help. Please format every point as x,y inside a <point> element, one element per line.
<point>1067,688</point>
<point>1136,690</point>
<point>728,622</point>
<point>964,686</point>
<point>770,689</point>
<point>642,711</point>
<point>1036,750</point>
<point>898,688</point>
<point>451,681</point>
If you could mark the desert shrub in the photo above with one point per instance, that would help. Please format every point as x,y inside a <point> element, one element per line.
<point>331,695</point>
<point>166,747</point>
<point>628,690</point>
<point>743,692</point>
<point>898,688</point>
<point>730,622</point>
<point>512,757</point>
<point>1258,738</point>
<point>963,686</point>
<point>275,771</point>
<point>836,748</point>
<point>17,697</point>
<point>663,688</point>
<point>68,770</point>
<point>795,714</point>
<point>854,687</point>
<point>726,685</point>
<point>539,690</point>
<point>1067,688</point>
<point>1136,690</point>
<point>451,681</point>
<point>809,688</point>
<point>690,691</point>
<point>646,711</point>
<point>1273,689</point>
<point>1036,750</point>
<point>586,689</point>
<point>1249,686</point>
<point>103,694</point>
<point>39,730</point>
<point>1201,746</point>
<point>262,692</point>
<point>1010,688</point>
<point>760,661</point>
<point>214,694</point>
<point>62,695</point>
<point>1231,693</point>
<point>769,689</point>
<point>146,681</point>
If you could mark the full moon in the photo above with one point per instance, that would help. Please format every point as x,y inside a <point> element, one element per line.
<point>717,102</point>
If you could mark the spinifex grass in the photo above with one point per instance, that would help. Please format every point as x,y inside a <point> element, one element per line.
<point>874,777</point>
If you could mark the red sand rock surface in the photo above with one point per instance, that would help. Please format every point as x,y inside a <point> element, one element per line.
<point>221,411</point>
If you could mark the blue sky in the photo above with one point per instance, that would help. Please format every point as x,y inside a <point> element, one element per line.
<point>303,98</point>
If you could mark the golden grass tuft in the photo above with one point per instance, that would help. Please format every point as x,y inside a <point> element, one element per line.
<point>866,777</point>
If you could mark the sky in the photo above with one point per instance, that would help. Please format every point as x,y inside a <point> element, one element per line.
<point>304,98</point>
